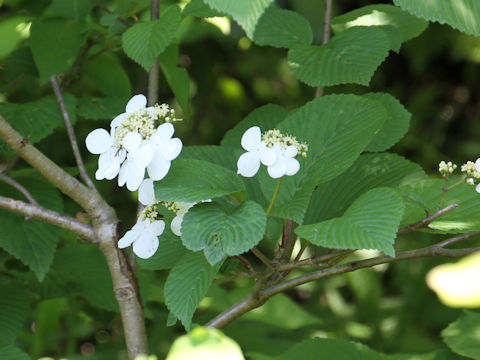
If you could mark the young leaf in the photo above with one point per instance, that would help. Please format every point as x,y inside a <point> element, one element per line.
<point>463,15</point>
<point>381,15</point>
<point>462,335</point>
<point>246,13</point>
<point>282,28</point>
<point>33,242</point>
<point>11,352</point>
<point>143,42</point>
<point>395,125</point>
<point>331,199</point>
<point>220,231</point>
<point>14,306</point>
<point>196,180</point>
<point>349,57</point>
<point>187,284</point>
<point>371,222</point>
<point>62,38</point>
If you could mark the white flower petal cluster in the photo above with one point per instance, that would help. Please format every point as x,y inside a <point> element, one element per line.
<point>477,168</point>
<point>136,144</point>
<point>276,154</point>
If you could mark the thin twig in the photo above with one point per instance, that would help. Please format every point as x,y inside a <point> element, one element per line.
<point>153,74</point>
<point>10,165</point>
<point>326,35</point>
<point>69,77</point>
<point>38,212</point>
<point>71,134</point>
<point>322,259</point>
<point>19,187</point>
<point>119,18</point>
<point>424,222</point>
<point>262,257</point>
<point>458,239</point>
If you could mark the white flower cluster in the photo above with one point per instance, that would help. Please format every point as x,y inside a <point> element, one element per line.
<point>472,171</point>
<point>446,168</point>
<point>273,149</point>
<point>144,234</point>
<point>139,139</point>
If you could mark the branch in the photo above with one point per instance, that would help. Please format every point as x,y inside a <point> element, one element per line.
<point>153,74</point>
<point>424,222</point>
<point>71,134</point>
<point>19,187</point>
<point>251,302</point>
<point>105,228</point>
<point>108,11</point>
<point>5,169</point>
<point>38,212</point>
<point>326,35</point>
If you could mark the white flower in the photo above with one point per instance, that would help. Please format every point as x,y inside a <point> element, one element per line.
<point>257,152</point>
<point>137,102</point>
<point>144,237</point>
<point>99,141</point>
<point>285,164</point>
<point>165,149</point>
<point>176,224</point>
<point>146,193</point>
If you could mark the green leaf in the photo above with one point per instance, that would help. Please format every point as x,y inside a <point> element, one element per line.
<point>282,28</point>
<point>371,222</point>
<point>177,77</point>
<point>108,76</point>
<point>381,15</point>
<point>187,284</point>
<point>100,108</point>
<point>223,231</point>
<point>327,349</point>
<point>32,241</point>
<point>369,171</point>
<point>196,180</point>
<point>74,9</point>
<point>442,354</point>
<point>394,127</point>
<point>220,155</point>
<point>337,128</point>
<point>80,269</point>
<point>246,13</point>
<point>198,8</point>
<point>170,251</point>
<point>14,307</point>
<point>424,196</point>
<point>352,56</point>
<point>37,119</point>
<point>11,352</point>
<point>463,15</point>
<point>143,42</point>
<point>10,37</point>
<point>462,336</point>
<point>62,38</point>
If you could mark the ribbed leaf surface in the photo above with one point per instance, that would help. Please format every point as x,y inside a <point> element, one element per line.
<point>11,352</point>
<point>424,196</point>
<point>282,28</point>
<point>395,125</point>
<point>331,199</point>
<point>198,8</point>
<point>143,42</point>
<point>220,155</point>
<point>463,15</point>
<point>170,251</point>
<point>337,128</point>
<point>371,222</point>
<point>14,306</point>
<point>462,335</point>
<point>381,15</point>
<point>246,12</point>
<point>195,180</point>
<point>187,284</point>
<point>32,241</point>
<point>352,56</point>
<point>222,231</point>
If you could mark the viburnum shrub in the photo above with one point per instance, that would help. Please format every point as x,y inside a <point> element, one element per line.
<point>286,198</point>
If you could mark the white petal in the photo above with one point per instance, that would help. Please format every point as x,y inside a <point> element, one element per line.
<point>118,120</point>
<point>172,149</point>
<point>164,132</point>
<point>267,155</point>
<point>477,164</point>
<point>158,167</point>
<point>252,138</point>
<point>157,227</point>
<point>292,166</point>
<point>143,156</point>
<point>145,246</point>
<point>134,177</point>
<point>108,165</point>
<point>291,151</point>
<point>129,237</point>
<point>477,188</point>
<point>176,225</point>
<point>277,170</point>
<point>146,193</point>
<point>98,141</point>
<point>136,103</point>
<point>248,164</point>
<point>132,141</point>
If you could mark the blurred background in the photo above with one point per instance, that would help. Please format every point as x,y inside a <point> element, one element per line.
<point>435,76</point>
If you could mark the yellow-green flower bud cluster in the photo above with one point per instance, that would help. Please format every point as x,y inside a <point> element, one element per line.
<point>151,213</point>
<point>171,205</point>
<point>274,137</point>
<point>471,172</point>
<point>446,168</point>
